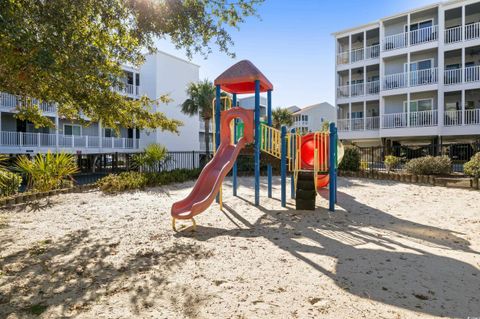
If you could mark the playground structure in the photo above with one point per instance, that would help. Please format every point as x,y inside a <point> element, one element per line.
<point>313,153</point>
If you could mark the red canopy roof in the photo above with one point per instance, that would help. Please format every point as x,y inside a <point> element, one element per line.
<point>240,78</point>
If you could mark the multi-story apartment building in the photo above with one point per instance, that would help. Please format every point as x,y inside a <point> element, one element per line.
<point>161,74</point>
<point>411,78</point>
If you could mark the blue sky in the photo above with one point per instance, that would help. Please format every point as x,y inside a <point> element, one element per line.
<point>293,46</point>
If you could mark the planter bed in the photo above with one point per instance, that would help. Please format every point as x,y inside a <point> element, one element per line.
<point>445,181</point>
<point>25,198</point>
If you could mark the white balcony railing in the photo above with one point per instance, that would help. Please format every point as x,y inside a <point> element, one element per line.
<point>412,119</point>
<point>472,73</point>
<point>394,120</point>
<point>359,124</point>
<point>21,139</point>
<point>357,89</point>
<point>343,124</point>
<point>10,101</point>
<point>372,52</point>
<point>472,116</point>
<point>356,55</point>
<point>452,118</point>
<point>129,89</point>
<point>372,123</point>
<point>452,35</point>
<point>394,81</point>
<point>342,58</point>
<point>452,76</point>
<point>423,118</point>
<point>424,77</point>
<point>424,35</point>
<point>396,41</point>
<point>373,87</point>
<point>343,91</point>
<point>472,31</point>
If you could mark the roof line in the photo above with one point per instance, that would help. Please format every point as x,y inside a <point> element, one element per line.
<point>436,4</point>
<point>176,57</point>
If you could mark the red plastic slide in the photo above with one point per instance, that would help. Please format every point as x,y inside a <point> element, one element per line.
<point>208,183</point>
<point>307,150</point>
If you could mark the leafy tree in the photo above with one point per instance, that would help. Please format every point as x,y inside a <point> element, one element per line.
<point>326,126</point>
<point>71,52</point>
<point>281,117</point>
<point>200,101</point>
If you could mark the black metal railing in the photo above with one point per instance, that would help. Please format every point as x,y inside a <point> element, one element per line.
<point>372,158</point>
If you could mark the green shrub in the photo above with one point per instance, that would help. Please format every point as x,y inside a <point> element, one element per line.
<point>429,165</point>
<point>391,162</point>
<point>351,160</point>
<point>9,183</point>
<point>48,171</point>
<point>152,156</point>
<point>122,182</point>
<point>472,167</point>
<point>138,180</point>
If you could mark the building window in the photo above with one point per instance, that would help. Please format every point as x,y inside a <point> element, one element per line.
<point>72,129</point>
<point>357,115</point>
<point>419,105</point>
<point>109,132</point>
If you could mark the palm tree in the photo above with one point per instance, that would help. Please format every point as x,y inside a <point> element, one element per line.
<point>200,98</point>
<point>281,117</point>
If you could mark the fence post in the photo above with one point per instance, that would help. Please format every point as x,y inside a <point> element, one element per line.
<point>293,154</point>
<point>332,189</point>
<point>193,159</point>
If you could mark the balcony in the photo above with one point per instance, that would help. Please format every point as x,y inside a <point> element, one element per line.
<point>347,57</point>
<point>129,89</point>
<point>412,119</point>
<point>457,34</point>
<point>417,78</point>
<point>360,89</point>
<point>39,140</point>
<point>419,36</point>
<point>359,124</point>
<point>455,118</point>
<point>8,102</point>
<point>470,74</point>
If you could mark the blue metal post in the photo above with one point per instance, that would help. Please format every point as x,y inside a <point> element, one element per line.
<point>283,166</point>
<point>293,154</point>
<point>332,189</point>
<point>235,140</point>
<point>218,109</point>
<point>269,123</point>
<point>257,142</point>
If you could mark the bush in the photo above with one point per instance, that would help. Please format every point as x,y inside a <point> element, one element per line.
<point>154,155</point>
<point>391,162</point>
<point>138,180</point>
<point>46,172</point>
<point>351,160</point>
<point>429,165</point>
<point>9,183</point>
<point>472,167</point>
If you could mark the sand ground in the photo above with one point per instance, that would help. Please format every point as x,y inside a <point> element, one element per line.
<point>391,250</point>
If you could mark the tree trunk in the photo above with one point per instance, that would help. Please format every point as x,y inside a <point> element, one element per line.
<point>207,137</point>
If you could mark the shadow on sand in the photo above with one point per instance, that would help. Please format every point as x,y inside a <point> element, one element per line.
<point>395,272</point>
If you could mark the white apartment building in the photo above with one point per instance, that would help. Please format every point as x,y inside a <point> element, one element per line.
<point>411,78</point>
<point>161,74</point>
<point>311,118</point>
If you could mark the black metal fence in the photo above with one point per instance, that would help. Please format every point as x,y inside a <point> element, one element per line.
<point>372,158</point>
